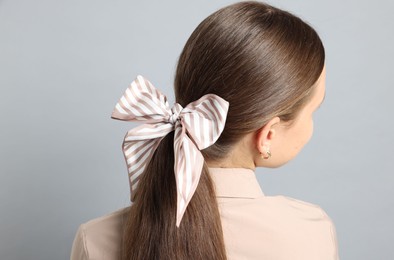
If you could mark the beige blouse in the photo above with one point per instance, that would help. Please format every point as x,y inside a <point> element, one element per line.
<point>255,226</point>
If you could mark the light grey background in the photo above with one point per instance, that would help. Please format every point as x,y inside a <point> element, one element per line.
<point>65,64</point>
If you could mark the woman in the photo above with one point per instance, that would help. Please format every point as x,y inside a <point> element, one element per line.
<point>250,77</point>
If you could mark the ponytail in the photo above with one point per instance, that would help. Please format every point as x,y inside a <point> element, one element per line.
<point>150,231</point>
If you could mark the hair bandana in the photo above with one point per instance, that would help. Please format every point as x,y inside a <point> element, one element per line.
<point>197,126</point>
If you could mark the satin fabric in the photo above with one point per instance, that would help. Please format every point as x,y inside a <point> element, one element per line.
<point>197,126</point>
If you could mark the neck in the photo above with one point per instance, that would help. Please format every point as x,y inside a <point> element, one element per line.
<point>230,164</point>
<point>242,155</point>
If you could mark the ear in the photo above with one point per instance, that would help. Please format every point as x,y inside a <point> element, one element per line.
<point>265,135</point>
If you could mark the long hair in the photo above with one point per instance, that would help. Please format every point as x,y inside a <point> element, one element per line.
<point>265,62</point>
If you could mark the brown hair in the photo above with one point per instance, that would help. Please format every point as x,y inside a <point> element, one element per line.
<point>264,61</point>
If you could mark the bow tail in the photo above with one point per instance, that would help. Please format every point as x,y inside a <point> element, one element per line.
<point>188,167</point>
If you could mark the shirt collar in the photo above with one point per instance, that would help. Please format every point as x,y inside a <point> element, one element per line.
<point>235,183</point>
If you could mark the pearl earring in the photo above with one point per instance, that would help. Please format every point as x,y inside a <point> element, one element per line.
<point>267,151</point>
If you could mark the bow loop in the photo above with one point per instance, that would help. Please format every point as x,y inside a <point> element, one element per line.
<point>204,119</point>
<point>196,126</point>
<point>142,101</point>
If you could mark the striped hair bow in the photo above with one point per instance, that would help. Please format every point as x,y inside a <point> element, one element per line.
<point>197,126</point>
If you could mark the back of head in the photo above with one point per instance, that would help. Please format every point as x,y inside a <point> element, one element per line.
<point>264,62</point>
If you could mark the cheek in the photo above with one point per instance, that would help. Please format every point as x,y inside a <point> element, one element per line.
<point>294,140</point>
<point>304,135</point>
<point>310,130</point>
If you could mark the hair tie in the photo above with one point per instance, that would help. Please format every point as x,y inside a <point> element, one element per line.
<point>196,126</point>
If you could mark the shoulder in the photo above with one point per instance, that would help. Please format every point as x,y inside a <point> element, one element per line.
<point>312,226</point>
<point>100,238</point>
<point>296,212</point>
<point>280,205</point>
<point>105,223</point>
<point>300,207</point>
<point>270,224</point>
